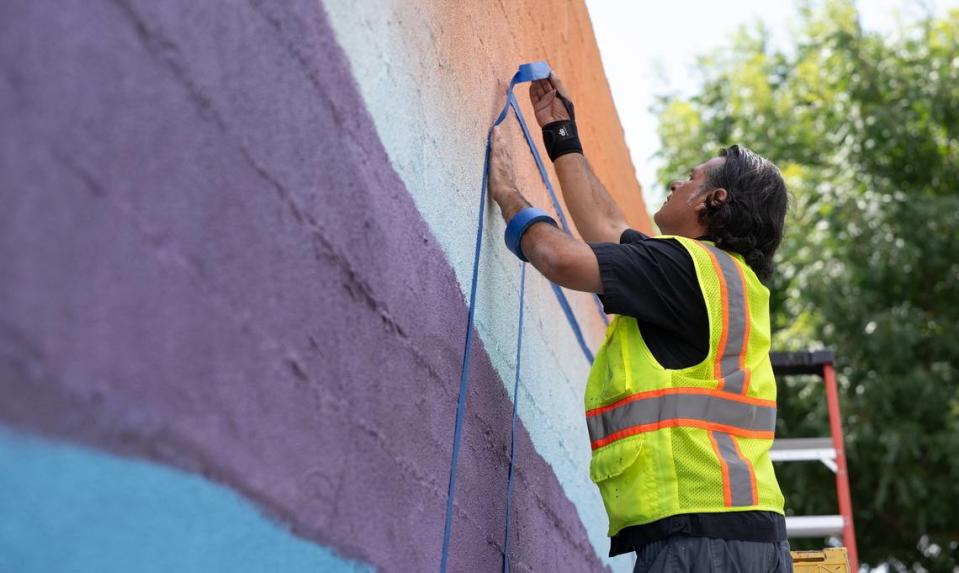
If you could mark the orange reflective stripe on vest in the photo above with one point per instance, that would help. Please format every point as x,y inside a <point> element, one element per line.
<point>730,366</point>
<point>697,407</point>
<point>739,477</point>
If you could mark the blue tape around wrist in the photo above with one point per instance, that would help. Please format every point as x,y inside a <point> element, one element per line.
<point>518,226</point>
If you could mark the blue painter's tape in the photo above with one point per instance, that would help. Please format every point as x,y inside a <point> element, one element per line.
<point>525,73</point>
<point>518,226</point>
<point>532,71</point>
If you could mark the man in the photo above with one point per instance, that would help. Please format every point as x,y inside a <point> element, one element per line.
<point>680,401</point>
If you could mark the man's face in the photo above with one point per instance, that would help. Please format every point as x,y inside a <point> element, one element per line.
<point>680,208</point>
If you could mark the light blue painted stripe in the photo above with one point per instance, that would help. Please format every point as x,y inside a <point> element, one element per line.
<point>70,509</point>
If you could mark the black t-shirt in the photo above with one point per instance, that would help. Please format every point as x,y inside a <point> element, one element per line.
<point>654,281</point>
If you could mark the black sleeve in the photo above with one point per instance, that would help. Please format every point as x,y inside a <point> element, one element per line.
<point>654,281</point>
<point>632,236</point>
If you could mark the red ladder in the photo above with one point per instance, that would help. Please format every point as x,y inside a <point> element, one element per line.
<point>829,451</point>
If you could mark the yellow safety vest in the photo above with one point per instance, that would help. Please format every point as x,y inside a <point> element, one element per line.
<point>696,440</point>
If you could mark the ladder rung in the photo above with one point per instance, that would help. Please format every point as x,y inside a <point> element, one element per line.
<point>814,525</point>
<point>793,363</point>
<point>802,449</point>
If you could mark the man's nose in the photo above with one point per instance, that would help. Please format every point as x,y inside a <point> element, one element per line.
<point>673,185</point>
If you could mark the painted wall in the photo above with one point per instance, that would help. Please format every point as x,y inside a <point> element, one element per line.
<point>236,240</point>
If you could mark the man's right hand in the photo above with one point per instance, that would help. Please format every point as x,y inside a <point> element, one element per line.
<point>543,95</point>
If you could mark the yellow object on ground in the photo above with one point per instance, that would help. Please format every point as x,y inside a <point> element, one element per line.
<point>834,560</point>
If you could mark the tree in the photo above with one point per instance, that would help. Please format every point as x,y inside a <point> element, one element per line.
<point>865,129</point>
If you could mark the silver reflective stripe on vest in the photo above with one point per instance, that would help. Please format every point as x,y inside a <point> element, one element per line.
<point>729,362</point>
<point>706,407</point>
<point>740,474</point>
<point>738,471</point>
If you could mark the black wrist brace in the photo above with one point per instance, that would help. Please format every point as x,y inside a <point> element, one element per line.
<point>560,138</point>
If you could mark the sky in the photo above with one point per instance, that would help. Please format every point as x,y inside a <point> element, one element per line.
<point>648,49</point>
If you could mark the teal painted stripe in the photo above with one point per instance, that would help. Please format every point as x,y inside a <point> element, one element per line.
<point>70,509</point>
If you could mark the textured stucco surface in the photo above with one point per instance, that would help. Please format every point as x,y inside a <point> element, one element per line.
<point>210,262</point>
<point>236,239</point>
<point>442,66</point>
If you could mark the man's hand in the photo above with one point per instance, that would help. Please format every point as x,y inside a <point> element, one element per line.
<point>502,178</point>
<point>595,213</point>
<point>543,95</point>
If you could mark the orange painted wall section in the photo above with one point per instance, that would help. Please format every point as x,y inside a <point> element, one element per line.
<point>478,35</point>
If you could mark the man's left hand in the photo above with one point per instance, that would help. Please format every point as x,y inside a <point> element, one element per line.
<point>502,177</point>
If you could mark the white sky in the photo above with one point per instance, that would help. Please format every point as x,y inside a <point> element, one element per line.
<point>648,49</point>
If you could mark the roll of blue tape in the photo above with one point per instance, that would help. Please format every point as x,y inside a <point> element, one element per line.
<point>532,71</point>
<point>518,226</point>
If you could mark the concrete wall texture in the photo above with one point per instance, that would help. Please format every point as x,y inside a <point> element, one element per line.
<point>236,241</point>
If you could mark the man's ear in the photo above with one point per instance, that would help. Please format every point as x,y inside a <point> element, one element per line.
<point>712,198</point>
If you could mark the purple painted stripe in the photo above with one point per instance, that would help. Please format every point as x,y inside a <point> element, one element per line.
<point>209,262</point>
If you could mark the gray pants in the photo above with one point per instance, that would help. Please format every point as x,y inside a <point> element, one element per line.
<point>682,554</point>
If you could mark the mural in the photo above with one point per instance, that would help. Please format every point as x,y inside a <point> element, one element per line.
<point>236,242</point>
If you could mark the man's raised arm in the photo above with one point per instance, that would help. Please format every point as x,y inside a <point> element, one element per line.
<point>597,217</point>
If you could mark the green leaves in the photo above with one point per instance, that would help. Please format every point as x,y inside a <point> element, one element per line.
<point>865,128</point>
